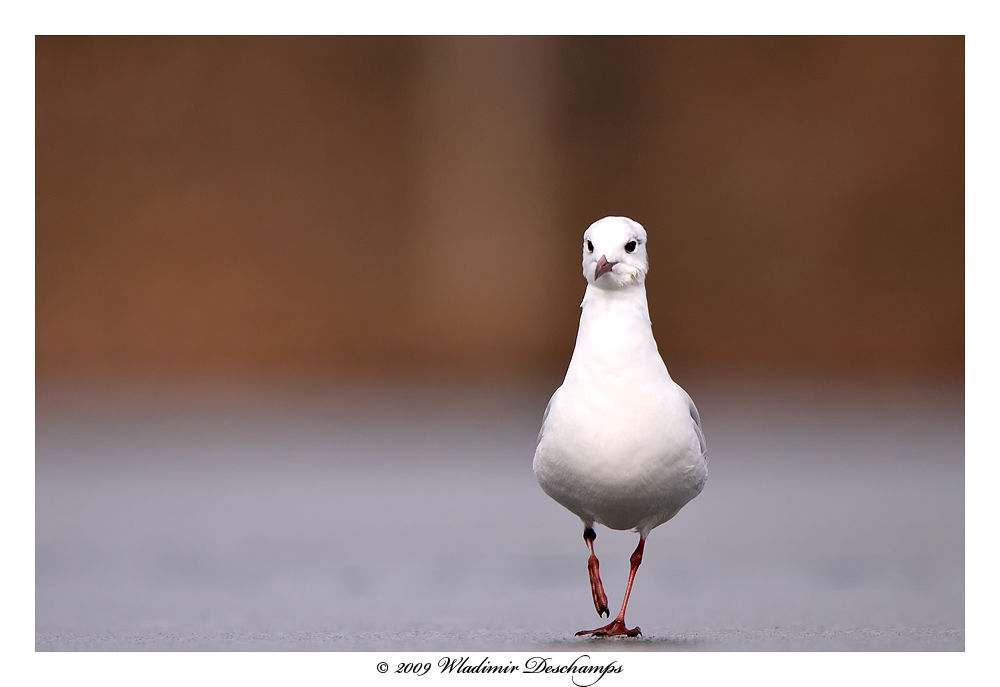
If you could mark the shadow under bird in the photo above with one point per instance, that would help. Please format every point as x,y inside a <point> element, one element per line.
<point>621,443</point>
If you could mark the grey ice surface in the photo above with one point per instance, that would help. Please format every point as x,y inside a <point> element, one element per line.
<point>286,517</point>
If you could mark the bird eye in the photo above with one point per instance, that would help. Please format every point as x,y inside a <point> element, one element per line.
<point>630,246</point>
<point>590,246</point>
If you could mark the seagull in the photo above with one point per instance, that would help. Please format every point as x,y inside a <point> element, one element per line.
<point>621,444</point>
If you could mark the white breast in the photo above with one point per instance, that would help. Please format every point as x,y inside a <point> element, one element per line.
<point>619,445</point>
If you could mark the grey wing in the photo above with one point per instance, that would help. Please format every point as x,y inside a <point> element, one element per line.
<point>697,423</point>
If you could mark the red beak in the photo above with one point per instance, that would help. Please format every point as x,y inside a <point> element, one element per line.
<point>603,266</point>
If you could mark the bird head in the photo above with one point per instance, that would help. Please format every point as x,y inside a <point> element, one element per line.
<point>614,253</point>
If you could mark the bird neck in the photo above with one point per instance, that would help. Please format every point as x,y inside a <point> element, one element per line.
<point>626,304</point>
<point>614,326</point>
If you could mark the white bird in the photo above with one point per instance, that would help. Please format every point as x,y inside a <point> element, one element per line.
<point>621,444</point>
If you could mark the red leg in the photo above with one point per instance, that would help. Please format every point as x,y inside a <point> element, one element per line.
<point>593,567</point>
<point>617,626</point>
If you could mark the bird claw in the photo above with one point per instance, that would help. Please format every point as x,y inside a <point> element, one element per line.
<point>602,608</point>
<point>616,628</point>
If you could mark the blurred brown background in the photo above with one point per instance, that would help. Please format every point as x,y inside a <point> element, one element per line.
<point>398,205</point>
